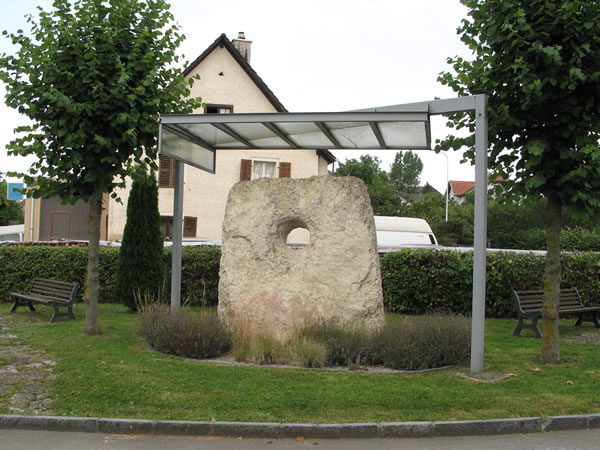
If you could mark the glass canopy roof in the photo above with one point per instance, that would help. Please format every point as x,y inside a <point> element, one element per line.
<point>194,139</point>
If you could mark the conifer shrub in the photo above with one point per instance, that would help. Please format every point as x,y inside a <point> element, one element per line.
<point>141,267</point>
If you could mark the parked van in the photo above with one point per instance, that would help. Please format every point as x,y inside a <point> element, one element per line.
<point>12,233</point>
<point>403,231</point>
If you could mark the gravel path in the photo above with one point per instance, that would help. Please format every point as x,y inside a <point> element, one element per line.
<point>591,337</point>
<point>26,374</point>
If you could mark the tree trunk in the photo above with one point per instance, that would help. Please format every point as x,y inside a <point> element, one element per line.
<point>550,345</point>
<point>92,289</point>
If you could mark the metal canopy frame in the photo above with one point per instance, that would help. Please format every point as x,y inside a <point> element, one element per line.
<point>194,139</point>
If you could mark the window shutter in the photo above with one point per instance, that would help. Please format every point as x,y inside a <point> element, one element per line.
<point>166,172</point>
<point>285,170</point>
<point>189,226</point>
<point>246,170</point>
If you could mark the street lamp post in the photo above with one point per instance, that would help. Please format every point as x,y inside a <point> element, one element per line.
<point>447,180</point>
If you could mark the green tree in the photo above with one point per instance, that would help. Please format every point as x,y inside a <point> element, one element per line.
<point>141,269</point>
<point>511,225</point>
<point>458,230</point>
<point>384,199</point>
<point>539,63</point>
<point>10,211</point>
<point>93,76</point>
<point>405,172</point>
<point>367,168</point>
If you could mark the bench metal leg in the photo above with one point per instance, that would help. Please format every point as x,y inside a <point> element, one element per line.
<point>591,317</point>
<point>58,314</point>
<point>70,313</point>
<point>55,315</point>
<point>18,303</point>
<point>533,326</point>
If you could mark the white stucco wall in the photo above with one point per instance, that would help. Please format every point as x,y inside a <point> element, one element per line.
<point>234,87</point>
<point>205,194</point>
<point>117,213</point>
<point>322,166</point>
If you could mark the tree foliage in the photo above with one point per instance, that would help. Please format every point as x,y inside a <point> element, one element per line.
<point>405,171</point>
<point>367,168</point>
<point>92,76</point>
<point>384,199</point>
<point>539,63</point>
<point>10,211</point>
<point>385,188</point>
<point>141,269</point>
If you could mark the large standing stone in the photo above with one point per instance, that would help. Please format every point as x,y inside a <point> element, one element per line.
<point>275,288</point>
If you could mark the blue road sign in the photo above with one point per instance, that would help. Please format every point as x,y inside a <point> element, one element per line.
<point>14,191</point>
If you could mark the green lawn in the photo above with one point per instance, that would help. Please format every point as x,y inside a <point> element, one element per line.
<point>114,375</point>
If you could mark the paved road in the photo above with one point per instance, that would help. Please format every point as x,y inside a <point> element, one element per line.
<point>48,440</point>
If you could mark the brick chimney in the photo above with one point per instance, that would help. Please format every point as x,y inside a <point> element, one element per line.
<point>242,46</point>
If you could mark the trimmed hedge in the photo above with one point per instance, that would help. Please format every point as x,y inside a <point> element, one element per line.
<point>415,281</point>
<point>199,274</point>
<point>20,264</point>
<point>420,281</point>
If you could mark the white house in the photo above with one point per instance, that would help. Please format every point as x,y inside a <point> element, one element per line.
<point>228,84</point>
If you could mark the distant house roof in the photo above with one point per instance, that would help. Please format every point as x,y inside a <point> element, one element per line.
<point>460,188</point>
<point>223,42</point>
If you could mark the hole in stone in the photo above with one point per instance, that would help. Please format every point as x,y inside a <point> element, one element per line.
<point>299,235</point>
<point>294,232</point>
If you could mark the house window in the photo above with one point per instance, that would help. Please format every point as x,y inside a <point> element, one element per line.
<point>166,226</point>
<point>190,225</point>
<point>218,109</point>
<point>254,169</point>
<point>263,169</point>
<point>166,172</point>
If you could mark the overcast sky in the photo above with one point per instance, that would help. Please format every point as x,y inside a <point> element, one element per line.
<point>317,55</point>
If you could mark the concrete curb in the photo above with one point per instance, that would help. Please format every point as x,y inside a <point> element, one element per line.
<point>282,430</point>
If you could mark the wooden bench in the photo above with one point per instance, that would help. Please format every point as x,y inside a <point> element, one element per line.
<point>57,294</point>
<point>530,303</point>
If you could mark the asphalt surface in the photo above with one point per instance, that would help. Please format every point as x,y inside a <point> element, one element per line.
<point>48,440</point>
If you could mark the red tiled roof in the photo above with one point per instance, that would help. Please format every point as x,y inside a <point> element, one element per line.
<point>462,187</point>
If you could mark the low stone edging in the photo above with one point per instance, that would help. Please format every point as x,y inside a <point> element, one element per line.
<point>291,430</point>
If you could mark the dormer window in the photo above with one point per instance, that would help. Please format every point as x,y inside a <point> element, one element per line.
<point>218,109</point>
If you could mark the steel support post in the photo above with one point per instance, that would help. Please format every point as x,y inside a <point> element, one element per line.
<point>177,237</point>
<point>480,238</point>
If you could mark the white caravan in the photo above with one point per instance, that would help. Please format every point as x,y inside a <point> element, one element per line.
<point>404,231</point>
<point>12,233</point>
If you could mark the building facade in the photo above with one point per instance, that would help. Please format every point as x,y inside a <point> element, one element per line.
<point>227,84</point>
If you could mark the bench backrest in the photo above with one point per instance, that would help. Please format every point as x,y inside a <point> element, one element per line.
<point>57,289</point>
<point>529,301</point>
